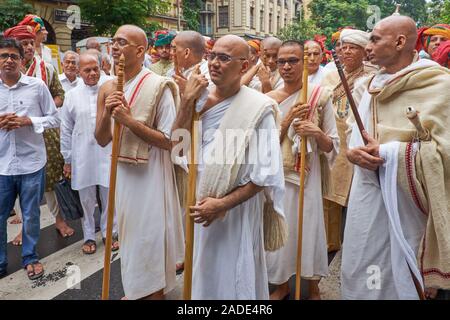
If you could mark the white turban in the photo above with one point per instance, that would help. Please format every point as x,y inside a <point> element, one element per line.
<point>358,37</point>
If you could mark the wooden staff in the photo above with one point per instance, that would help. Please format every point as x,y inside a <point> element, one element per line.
<point>191,201</point>
<point>301,194</point>
<point>348,93</point>
<point>112,188</point>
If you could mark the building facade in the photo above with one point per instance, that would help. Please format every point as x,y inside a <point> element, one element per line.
<point>248,18</point>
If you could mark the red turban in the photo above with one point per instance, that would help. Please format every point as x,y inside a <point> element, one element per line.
<point>20,33</point>
<point>442,54</point>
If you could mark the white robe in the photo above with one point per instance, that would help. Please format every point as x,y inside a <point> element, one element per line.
<point>316,78</point>
<point>149,213</point>
<point>282,263</point>
<point>90,162</point>
<point>369,256</point>
<point>229,259</point>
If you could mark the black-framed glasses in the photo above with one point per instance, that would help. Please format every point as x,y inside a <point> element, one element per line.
<point>122,42</point>
<point>290,61</point>
<point>222,57</point>
<point>13,56</point>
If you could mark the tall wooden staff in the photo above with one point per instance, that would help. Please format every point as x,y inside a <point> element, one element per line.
<point>348,93</point>
<point>301,195</point>
<point>190,201</point>
<point>112,188</point>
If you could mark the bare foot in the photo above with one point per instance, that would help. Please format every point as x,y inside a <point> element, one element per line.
<point>18,240</point>
<point>180,266</point>
<point>124,298</point>
<point>64,230</point>
<point>281,292</point>
<point>16,220</point>
<point>431,293</point>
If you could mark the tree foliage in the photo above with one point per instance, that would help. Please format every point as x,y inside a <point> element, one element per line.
<point>191,13</point>
<point>301,30</point>
<point>12,12</point>
<point>107,16</point>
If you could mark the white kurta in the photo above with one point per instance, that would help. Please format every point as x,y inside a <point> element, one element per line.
<point>149,214</point>
<point>282,263</point>
<point>367,255</point>
<point>229,259</point>
<point>90,162</point>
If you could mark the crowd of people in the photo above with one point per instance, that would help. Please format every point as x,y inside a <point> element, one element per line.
<point>391,181</point>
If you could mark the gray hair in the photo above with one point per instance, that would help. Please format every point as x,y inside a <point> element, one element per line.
<point>106,57</point>
<point>70,52</point>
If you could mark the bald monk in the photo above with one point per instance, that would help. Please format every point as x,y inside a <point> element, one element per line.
<point>397,221</point>
<point>323,140</point>
<point>229,261</point>
<point>147,204</point>
<point>188,49</point>
<point>264,76</point>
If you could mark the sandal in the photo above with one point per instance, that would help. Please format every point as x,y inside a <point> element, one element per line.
<point>32,275</point>
<point>91,244</point>
<point>115,240</point>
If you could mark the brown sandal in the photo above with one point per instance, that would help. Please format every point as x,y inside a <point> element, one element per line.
<point>32,275</point>
<point>91,244</point>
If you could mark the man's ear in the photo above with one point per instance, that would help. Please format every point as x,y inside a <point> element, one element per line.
<point>141,51</point>
<point>187,52</point>
<point>244,67</point>
<point>401,42</point>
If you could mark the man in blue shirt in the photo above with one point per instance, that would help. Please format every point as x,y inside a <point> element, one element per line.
<point>26,109</point>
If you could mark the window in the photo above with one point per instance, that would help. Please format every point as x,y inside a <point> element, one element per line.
<point>278,24</point>
<point>252,18</point>
<point>261,21</point>
<point>270,23</point>
<point>223,16</point>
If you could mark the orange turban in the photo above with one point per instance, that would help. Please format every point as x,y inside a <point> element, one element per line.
<point>255,44</point>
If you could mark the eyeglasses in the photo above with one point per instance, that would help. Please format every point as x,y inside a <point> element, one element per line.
<point>13,56</point>
<point>291,61</point>
<point>225,58</point>
<point>122,42</point>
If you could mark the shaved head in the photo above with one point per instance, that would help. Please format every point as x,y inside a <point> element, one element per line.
<point>131,41</point>
<point>239,46</point>
<point>227,73</point>
<point>89,68</point>
<point>192,40</point>
<point>392,43</point>
<point>134,34</point>
<point>271,43</point>
<point>400,25</point>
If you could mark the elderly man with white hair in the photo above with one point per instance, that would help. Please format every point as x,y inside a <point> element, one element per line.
<point>353,43</point>
<point>69,77</point>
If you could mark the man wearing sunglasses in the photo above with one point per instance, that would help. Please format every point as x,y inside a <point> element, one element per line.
<point>314,120</point>
<point>147,205</point>
<point>26,109</point>
<point>229,261</point>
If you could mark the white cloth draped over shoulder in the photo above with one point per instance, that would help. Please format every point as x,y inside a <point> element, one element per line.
<point>148,212</point>
<point>282,263</point>
<point>229,259</point>
<point>383,227</point>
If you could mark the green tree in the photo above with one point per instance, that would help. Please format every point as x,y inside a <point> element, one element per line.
<point>12,12</point>
<point>445,13</point>
<point>191,13</point>
<point>330,15</point>
<point>107,16</point>
<point>300,30</point>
